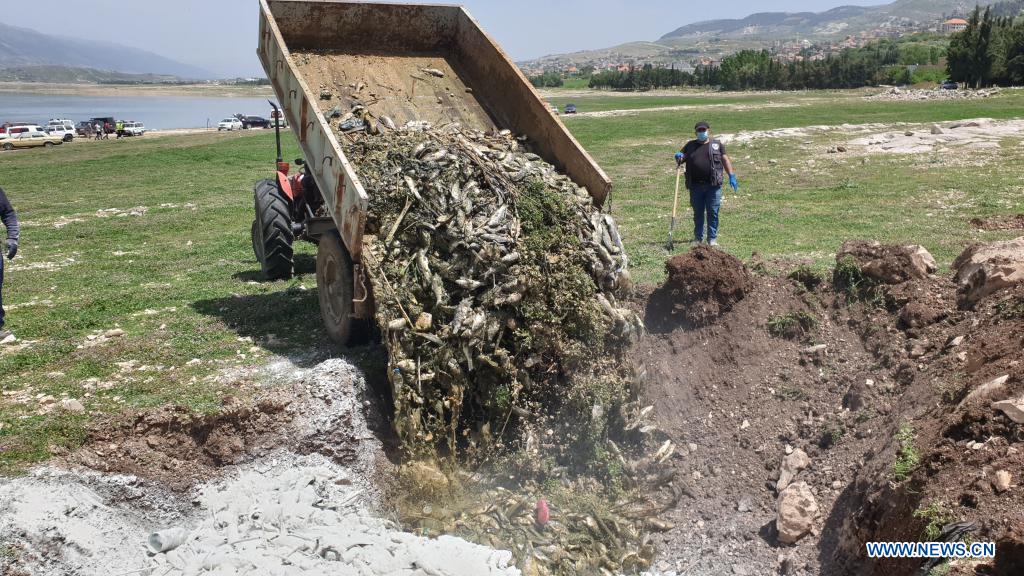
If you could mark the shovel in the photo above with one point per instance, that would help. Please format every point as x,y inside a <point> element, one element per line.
<point>671,244</point>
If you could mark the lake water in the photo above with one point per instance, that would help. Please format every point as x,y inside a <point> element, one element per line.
<point>156,112</point>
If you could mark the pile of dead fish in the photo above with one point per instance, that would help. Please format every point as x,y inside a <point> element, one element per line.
<point>496,283</point>
<point>497,286</point>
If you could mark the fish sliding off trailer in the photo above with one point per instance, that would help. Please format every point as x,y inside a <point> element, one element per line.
<point>387,51</point>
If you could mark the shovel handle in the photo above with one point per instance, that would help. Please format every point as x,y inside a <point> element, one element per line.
<point>675,203</point>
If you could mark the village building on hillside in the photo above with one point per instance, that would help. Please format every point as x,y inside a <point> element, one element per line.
<point>954,25</point>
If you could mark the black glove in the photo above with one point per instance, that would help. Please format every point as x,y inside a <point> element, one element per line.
<point>12,248</point>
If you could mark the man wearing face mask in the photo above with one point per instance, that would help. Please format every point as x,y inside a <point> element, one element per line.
<point>706,166</point>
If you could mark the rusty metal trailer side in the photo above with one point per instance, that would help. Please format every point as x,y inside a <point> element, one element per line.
<point>495,86</point>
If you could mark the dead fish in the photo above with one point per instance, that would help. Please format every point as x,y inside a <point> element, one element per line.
<point>664,452</point>
<point>435,156</point>
<point>498,217</point>
<point>388,123</point>
<point>468,283</point>
<point>412,188</point>
<point>433,72</point>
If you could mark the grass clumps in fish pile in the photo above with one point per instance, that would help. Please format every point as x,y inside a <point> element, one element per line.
<point>497,286</point>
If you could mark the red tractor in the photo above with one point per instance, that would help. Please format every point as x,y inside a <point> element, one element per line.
<point>287,208</point>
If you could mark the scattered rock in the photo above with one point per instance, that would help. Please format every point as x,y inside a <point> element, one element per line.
<point>936,129</point>
<point>791,466</point>
<point>888,263</point>
<point>72,405</point>
<point>797,510</point>
<point>1014,409</point>
<point>325,93</point>
<point>9,339</point>
<point>986,268</point>
<point>954,342</point>
<point>817,350</point>
<point>987,390</point>
<point>1002,481</point>
<point>744,505</point>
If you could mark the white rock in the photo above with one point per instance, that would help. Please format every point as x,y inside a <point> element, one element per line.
<point>115,333</point>
<point>72,405</point>
<point>791,466</point>
<point>987,390</point>
<point>1013,408</point>
<point>1002,481</point>
<point>797,510</point>
<point>985,268</point>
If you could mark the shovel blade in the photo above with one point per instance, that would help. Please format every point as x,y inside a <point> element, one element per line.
<point>671,244</point>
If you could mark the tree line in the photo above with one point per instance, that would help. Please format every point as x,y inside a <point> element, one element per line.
<point>989,52</point>
<point>883,62</point>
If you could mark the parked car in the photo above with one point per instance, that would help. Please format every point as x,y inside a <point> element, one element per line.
<point>255,122</point>
<point>949,85</point>
<point>16,129</point>
<point>66,134</point>
<point>29,140</point>
<point>553,108</point>
<point>84,128</point>
<point>62,122</point>
<point>133,128</point>
<point>570,108</point>
<point>277,117</point>
<point>229,124</point>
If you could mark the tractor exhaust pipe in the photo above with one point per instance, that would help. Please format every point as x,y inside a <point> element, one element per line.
<point>278,116</point>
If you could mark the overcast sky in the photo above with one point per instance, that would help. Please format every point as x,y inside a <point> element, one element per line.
<point>220,35</point>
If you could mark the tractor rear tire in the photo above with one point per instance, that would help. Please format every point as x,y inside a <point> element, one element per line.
<point>272,235</point>
<point>335,289</point>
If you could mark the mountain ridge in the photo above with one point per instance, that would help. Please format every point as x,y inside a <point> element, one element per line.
<point>24,47</point>
<point>763,29</point>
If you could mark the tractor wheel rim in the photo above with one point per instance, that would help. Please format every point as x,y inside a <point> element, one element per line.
<point>332,281</point>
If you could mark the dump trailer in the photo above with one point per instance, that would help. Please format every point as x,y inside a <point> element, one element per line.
<point>386,50</point>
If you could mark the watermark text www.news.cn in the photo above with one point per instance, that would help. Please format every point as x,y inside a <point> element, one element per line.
<point>931,550</point>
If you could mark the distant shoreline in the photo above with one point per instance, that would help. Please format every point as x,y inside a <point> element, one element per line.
<point>136,90</point>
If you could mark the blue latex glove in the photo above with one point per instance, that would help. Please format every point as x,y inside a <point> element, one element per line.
<point>733,182</point>
<point>680,158</point>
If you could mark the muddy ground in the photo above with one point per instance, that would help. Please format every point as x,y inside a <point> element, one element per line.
<point>745,364</point>
<point>741,389</point>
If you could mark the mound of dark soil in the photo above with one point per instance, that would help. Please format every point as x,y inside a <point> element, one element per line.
<point>176,447</point>
<point>702,285</point>
<point>1014,222</point>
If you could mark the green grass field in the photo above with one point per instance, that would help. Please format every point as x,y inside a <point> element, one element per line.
<point>179,278</point>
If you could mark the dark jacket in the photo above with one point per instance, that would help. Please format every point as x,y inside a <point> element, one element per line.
<point>8,217</point>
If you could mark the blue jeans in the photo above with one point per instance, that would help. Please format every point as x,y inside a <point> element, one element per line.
<point>705,200</point>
